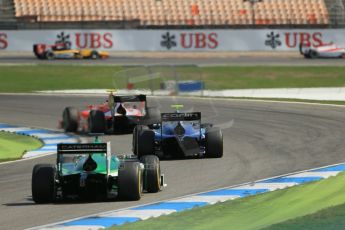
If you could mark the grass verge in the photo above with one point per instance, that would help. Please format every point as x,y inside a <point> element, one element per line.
<point>55,77</point>
<point>327,219</point>
<point>254,212</point>
<point>290,100</point>
<point>13,146</point>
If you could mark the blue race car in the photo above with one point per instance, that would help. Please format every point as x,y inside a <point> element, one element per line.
<point>178,135</point>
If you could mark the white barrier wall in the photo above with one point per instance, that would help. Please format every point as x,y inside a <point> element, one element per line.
<point>173,40</point>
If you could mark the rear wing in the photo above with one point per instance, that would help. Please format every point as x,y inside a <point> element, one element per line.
<point>134,98</point>
<point>89,148</point>
<point>39,50</point>
<point>194,116</point>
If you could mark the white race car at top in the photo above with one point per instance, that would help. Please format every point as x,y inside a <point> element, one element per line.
<point>324,51</point>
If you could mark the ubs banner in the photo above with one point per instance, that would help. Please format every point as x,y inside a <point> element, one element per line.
<point>173,40</point>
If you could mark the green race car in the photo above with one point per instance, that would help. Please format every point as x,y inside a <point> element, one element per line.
<point>90,171</point>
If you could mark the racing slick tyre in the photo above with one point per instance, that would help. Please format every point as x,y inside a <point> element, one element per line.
<point>130,181</point>
<point>78,56</point>
<point>206,125</point>
<point>96,121</point>
<point>214,143</point>
<point>49,55</point>
<point>70,119</point>
<point>137,129</point>
<point>153,116</point>
<point>43,183</point>
<point>143,141</point>
<point>94,55</point>
<point>307,55</point>
<point>152,173</point>
<point>313,54</point>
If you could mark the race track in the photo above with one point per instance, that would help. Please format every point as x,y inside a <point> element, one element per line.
<point>178,58</point>
<point>261,140</point>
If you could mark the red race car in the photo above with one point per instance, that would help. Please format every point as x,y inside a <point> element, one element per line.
<point>119,114</point>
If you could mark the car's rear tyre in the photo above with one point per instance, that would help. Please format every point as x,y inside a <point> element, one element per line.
<point>137,129</point>
<point>94,55</point>
<point>307,56</point>
<point>49,55</point>
<point>153,116</point>
<point>43,183</point>
<point>70,119</point>
<point>96,121</point>
<point>130,181</point>
<point>214,143</point>
<point>152,173</point>
<point>206,125</point>
<point>143,141</point>
<point>78,56</point>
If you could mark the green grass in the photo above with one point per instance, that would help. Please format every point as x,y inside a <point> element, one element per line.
<point>13,146</point>
<point>291,100</point>
<point>54,77</point>
<point>327,219</point>
<point>254,212</point>
<point>273,77</point>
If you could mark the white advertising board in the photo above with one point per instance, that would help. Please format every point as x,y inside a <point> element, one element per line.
<point>173,40</point>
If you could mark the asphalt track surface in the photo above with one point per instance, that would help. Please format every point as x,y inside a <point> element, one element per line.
<point>200,59</point>
<point>261,139</point>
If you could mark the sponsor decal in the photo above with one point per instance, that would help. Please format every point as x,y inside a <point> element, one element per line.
<point>93,40</point>
<point>3,41</point>
<point>181,116</point>
<point>293,39</point>
<point>63,38</point>
<point>168,41</point>
<point>273,40</point>
<point>129,98</point>
<point>82,148</point>
<point>195,40</point>
<point>199,40</point>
